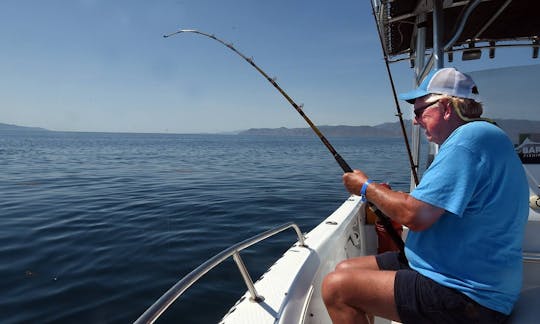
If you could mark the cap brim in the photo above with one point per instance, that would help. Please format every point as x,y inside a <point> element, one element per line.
<point>411,96</point>
<point>421,90</point>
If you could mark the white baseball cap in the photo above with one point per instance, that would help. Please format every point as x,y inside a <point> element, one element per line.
<point>448,81</point>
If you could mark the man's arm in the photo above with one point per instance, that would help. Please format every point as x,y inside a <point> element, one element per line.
<point>399,206</point>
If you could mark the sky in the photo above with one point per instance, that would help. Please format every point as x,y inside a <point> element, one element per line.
<point>103,65</point>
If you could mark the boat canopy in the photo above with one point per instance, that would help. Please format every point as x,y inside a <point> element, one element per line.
<point>475,24</point>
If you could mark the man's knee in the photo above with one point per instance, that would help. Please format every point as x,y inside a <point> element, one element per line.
<point>366,262</point>
<point>336,283</point>
<point>344,265</point>
<point>329,286</point>
<point>332,286</point>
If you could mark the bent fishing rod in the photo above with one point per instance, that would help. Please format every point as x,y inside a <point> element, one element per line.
<point>384,220</point>
<point>339,159</point>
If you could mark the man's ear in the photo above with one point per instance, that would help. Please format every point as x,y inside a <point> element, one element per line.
<point>448,110</point>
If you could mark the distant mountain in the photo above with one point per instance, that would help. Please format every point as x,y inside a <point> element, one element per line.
<point>9,127</point>
<point>383,130</point>
<point>512,127</point>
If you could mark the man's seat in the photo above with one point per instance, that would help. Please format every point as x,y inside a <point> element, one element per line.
<point>527,308</point>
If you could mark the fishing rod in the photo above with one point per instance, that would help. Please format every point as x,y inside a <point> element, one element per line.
<point>396,101</point>
<point>384,220</point>
<point>298,108</point>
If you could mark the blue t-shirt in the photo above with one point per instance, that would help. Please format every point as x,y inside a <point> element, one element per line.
<point>475,246</point>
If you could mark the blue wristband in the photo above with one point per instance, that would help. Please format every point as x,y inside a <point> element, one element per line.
<point>364,189</point>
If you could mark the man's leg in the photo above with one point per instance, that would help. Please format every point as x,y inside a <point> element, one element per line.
<point>357,287</point>
<point>364,262</point>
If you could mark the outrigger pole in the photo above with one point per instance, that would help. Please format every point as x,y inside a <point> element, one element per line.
<point>344,165</point>
<point>399,113</point>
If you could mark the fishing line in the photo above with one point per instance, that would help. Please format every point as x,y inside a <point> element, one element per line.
<point>385,221</point>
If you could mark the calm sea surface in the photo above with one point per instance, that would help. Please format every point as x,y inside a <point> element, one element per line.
<point>94,227</point>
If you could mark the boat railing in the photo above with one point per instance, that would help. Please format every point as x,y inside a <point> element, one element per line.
<point>155,311</point>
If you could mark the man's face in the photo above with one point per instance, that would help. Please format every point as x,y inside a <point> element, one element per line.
<point>429,115</point>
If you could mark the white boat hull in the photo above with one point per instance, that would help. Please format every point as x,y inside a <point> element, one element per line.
<point>292,286</point>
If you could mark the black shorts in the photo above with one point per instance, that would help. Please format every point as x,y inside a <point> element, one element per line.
<point>422,300</point>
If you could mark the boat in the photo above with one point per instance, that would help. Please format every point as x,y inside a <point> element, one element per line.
<point>421,32</point>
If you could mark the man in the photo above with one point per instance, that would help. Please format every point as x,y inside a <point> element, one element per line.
<point>466,222</point>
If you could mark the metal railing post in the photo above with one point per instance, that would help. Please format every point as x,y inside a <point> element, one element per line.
<point>247,278</point>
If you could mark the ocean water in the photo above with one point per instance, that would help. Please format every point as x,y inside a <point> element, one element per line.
<point>94,227</point>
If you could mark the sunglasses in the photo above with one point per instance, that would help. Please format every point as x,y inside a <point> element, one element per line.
<point>420,111</point>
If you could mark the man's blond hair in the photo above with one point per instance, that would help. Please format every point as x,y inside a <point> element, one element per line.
<point>467,109</point>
